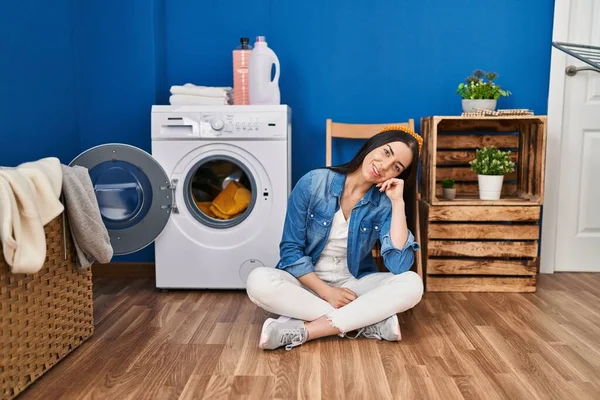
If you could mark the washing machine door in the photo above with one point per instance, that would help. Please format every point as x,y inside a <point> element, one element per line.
<point>134,194</point>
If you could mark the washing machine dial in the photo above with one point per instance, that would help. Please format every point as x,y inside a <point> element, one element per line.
<point>217,124</point>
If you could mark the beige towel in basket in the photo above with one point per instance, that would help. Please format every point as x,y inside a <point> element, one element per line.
<point>28,201</point>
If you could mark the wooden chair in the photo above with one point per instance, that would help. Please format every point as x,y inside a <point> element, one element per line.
<point>411,196</point>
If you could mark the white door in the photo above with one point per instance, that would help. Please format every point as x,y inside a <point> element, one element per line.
<point>573,172</point>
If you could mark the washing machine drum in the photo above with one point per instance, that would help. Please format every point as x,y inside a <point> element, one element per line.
<point>220,192</point>
<point>133,192</point>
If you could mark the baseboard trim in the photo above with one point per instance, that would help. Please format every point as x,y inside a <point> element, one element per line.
<point>124,270</point>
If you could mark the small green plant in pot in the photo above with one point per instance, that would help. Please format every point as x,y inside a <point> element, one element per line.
<point>477,93</point>
<point>491,164</point>
<point>448,189</point>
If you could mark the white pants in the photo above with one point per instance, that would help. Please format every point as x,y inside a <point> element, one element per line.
<point>380,295</point>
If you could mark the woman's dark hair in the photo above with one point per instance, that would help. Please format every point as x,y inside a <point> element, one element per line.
<point>377,141</point>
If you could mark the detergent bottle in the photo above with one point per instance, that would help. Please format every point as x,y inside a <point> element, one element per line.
<point>262,89</point>
<point>241,59</point>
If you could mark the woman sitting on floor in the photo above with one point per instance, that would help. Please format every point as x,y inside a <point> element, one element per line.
<point>335,215</point>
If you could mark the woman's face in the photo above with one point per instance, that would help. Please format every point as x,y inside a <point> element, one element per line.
<point>386,162</point>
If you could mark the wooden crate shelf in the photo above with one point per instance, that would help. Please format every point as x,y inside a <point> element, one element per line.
<point>479,248</point>
<point>450,143</point>
<point>473,245</point>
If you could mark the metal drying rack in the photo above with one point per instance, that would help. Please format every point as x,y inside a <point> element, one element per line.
<point>588,54</point>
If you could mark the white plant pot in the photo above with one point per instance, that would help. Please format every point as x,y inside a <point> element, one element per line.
<point>472,105</point>
<point>490,186</point>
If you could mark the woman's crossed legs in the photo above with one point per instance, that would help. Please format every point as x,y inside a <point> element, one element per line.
<point>380,296</point>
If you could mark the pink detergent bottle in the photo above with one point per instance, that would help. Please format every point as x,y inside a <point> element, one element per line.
<point>241,59</point>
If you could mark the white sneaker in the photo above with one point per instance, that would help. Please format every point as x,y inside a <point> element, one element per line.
<point>388,329</point>
<point>282,332</point>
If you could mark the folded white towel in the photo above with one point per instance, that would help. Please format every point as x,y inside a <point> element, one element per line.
<point>28,200</point>
<point>206,91</point>
<point>182,99</point>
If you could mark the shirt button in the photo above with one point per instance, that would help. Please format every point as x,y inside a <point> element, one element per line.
<point>324,223</point>
<point>376,227</point>
<point>312,215</point>
<point>364,229</point>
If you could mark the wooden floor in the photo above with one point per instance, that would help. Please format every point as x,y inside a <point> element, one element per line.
<point>193,345</point>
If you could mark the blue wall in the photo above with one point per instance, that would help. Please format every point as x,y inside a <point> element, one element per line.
<point>353,61</point>
<point>37,86</point>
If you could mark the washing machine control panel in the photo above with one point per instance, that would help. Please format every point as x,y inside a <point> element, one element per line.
<point>224,122</point>
<point>243,125</point>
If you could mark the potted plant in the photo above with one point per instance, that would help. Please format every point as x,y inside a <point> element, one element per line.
<point>491,165</point>
<point>448,189</point>
<point>477,93</point>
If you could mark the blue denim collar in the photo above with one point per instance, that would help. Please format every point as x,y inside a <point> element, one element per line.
<point>336,188</point>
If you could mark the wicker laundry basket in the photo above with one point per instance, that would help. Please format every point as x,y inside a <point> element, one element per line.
<point>43,316</point>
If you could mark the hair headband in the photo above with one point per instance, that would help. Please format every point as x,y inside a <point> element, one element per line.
<point>405,129</point>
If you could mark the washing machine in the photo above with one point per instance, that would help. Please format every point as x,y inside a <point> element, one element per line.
<point>212,195</point>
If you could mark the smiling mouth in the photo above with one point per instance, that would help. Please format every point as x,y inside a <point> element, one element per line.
<point>375,171</point>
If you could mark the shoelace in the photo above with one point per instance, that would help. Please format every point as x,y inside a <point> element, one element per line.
<point>291,338</point>
<point>370,332</point>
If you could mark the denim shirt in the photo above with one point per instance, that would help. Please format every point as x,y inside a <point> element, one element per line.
<point>311,207</point>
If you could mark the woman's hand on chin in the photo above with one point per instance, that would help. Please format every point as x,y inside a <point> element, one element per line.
<point>393,188</point>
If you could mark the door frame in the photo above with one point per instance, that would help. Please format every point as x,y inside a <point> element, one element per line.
<point>556,92</point>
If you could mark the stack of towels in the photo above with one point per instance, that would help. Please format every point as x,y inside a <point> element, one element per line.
<point>190,94</point>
